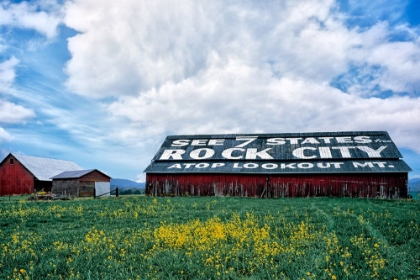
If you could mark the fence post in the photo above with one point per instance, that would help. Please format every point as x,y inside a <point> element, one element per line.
<point>116,192</point>
<point>94,193</point>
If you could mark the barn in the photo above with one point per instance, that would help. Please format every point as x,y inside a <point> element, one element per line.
<point>21,174</point>
<point>81,183</point>
<point>350,163</point>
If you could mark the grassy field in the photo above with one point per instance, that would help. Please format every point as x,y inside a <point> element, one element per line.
<point>137,237</point>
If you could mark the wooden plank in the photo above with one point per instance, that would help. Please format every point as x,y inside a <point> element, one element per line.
<point>351,185</point>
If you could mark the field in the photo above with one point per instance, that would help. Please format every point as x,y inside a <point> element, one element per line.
<point>138,237</point>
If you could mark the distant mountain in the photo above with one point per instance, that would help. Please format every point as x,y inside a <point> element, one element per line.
<point>126,184</point>
<point>414,184</point>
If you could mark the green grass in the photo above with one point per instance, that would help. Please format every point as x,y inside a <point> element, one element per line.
<point>138,237</point>
<point>13,198</point>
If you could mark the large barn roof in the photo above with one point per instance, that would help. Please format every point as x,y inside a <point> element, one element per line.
<point>45,168</point>
<point>317,152</point>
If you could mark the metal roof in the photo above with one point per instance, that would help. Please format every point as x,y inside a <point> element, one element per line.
<point>45,168</point>
<point>359,151</point>
<point>72,174</point>
<point>272,135</point>
<point>75,174</point>
<point>281,146</point>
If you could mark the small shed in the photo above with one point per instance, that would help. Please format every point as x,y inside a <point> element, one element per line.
<point>21,174</point>
<point>81,183</point>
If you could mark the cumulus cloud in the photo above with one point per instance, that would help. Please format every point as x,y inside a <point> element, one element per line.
<point>152,42</point>
<point>42,16</point>
<point>206,105</point>
<point>238,67</point>
<point>134,46</point>
<point>13,113</point>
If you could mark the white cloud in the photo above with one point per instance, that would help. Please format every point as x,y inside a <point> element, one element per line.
<point>218,67</point>
<point>247,100</point>
<point>401,63</point>
<point>42,16</point>
<point>134,46</point>
<point>12,113</point>
<point>152,42</point>
<point>148,43</point>
<point>388,65</point>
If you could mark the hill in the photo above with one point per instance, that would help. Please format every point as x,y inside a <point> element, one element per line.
<point>414,184</point>
<point>126,184</point>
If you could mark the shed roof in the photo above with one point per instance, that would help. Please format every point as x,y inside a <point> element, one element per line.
<point>317,152</point>
<point>75,174</point>
<point>45,168</point>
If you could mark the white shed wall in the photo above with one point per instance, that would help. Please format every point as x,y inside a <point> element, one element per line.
<point>102,188</point>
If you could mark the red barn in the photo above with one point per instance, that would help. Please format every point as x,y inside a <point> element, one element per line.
<point>20,174</point>
<point>354,164</point>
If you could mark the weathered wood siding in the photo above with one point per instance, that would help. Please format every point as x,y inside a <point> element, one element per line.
<point>15,178</point>
<point>95,176</point>
<point>86,188</point>
<point>246,185</point>
<point>65,187</point>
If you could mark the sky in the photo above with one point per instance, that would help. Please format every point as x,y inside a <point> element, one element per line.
<point>102,83</point>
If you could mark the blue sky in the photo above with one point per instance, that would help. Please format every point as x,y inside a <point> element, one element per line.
<point>102,83</point>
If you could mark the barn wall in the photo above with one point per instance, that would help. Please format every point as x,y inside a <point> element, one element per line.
<point>87,182</point>
<point>86,188</point>
<point>95,176</point>
<point>15,178</point>
<point>73,188</point>
<point>65,187</point>
<point>352,185</point>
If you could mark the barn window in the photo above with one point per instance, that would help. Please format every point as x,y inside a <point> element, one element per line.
<point>11,161</point>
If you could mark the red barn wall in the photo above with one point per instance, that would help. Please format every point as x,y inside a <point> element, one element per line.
<point>389,185</point>
<point>15,178</point>
<point>95,176</point>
